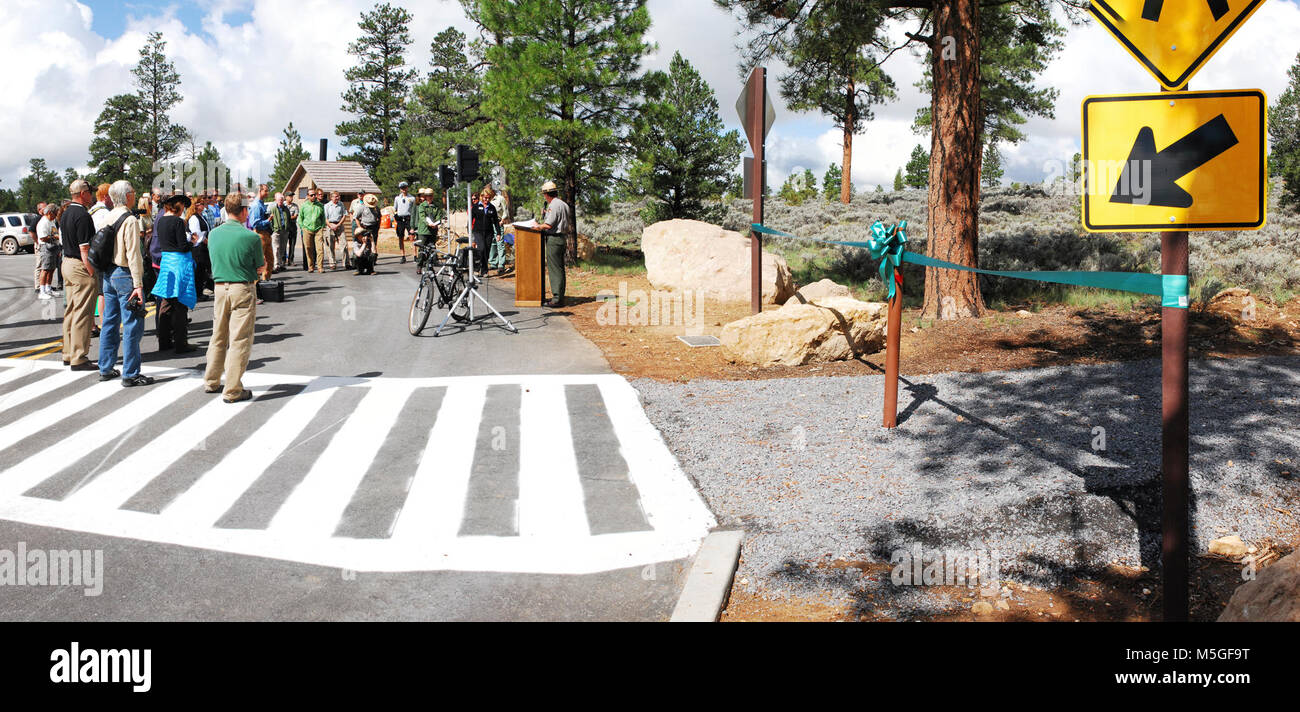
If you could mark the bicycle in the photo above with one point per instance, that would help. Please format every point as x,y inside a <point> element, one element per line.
<point>442,281</point>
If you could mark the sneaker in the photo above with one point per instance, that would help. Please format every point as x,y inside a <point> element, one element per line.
<point>243,396</point>
<point>44,295</point>
<point>113,373</point>
<point>137,381</point>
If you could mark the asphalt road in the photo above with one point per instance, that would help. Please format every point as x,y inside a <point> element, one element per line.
<point>479,475</point>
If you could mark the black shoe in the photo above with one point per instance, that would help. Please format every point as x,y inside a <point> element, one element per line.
<point>114,373</point>
<point>66,362</point>
<point>94,332</point>
<point>137,381</point>
<point>243,396</point>
<point>84,366</point>
<point>403,260</point>
<point>554,304</point>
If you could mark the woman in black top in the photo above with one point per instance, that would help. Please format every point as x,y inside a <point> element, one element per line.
<point>483,226</point>
<point>172,235</point>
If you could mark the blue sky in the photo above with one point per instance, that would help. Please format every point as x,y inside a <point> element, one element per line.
<point>87,49</point>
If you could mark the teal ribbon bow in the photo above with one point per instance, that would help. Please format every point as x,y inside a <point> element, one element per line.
<point>886,245</point>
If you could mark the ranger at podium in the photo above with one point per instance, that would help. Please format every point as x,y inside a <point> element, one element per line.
<point>555,225</point>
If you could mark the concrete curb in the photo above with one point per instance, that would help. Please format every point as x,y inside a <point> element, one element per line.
<point>709,582</point>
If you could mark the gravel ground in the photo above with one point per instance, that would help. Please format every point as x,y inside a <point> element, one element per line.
<point>1000,461</point>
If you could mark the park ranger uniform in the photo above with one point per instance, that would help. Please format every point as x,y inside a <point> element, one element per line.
<point>560,219</point>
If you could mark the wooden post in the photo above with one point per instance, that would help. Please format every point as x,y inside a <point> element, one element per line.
<point>757,87</point>
<point>892,338</point>
<point>1174,524</point>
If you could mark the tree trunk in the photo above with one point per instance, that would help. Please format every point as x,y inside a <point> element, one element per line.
<point>953,211</point>
<point>846,164</point>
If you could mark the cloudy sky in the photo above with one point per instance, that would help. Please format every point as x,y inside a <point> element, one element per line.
<point>248,67</point>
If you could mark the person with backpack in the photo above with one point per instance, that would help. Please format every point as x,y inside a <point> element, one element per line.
<point>123,289</point>
<point>80,286</point>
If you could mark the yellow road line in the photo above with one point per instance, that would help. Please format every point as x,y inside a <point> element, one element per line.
<point>42,347</point>
<point>47,352</point>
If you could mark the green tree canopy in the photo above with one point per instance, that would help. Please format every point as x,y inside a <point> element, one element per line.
<point>117,150</point>
<point>562,85</point>
<point>991,171</point>
<point>40,185</point>
<point>287,157</point>
<point>378,85</point>
<point>918,168</point>
<point>1284,137</point>
<point>898,180</point>
<point>683,158</point>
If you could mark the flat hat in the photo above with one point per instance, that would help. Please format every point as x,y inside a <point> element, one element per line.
<point>549,186</point>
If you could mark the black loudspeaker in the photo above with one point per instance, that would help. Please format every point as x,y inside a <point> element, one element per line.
<point>466,164</point>
<point>446,177</point>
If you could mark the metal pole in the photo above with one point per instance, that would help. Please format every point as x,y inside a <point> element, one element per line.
<point>1173,435</point>
<point>757,122</point>
<point>891,351</point>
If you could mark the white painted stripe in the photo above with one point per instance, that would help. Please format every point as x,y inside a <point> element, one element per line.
<point>51,415</point>
<point>39,388</point>
<point>551,499</point>
<point>115,486</point>
<point>18,370</point>
<point>214,493</point>
<point>118,424</point>
<point>435,504</point>
<point>668,498</point>
<point>316,505</point>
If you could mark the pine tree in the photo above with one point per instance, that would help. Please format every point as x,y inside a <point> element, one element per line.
<point>1284,138</point>
<point>683,158</point>
<point>898,180</point>
<point>918,168</point>
<point>115,150</point>
<point>40,185</point>
<point>287,157</point>
<point>378,85</point>
<point>562,84</point>
<point>831,182</point>
<point>991,171</point>
<point>216,174</point>
<point>157,86</point>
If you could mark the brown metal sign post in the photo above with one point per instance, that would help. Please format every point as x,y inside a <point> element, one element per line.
<point>892,337</point>
<point>1174,524</point>
<point>756,127</point>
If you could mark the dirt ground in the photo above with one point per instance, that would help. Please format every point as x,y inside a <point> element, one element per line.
<point>1053,335</point>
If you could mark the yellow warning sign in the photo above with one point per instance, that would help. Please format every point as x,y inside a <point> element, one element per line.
<point>1173,38</point>
<point>1174,161</point>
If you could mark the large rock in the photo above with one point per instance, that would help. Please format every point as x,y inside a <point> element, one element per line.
<point>689,254</point>
<point>834,329</point>
<point>818,291</point>
<point>1273,596</point>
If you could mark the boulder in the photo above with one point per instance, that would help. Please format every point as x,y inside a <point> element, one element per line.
<point>817,291</point>
<point>1274,595</point>
<point>835,329</point>
<point>694,255</point>
<point>586,248</point>
<point>1231,546</point>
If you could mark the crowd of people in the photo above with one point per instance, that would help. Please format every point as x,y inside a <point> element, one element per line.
<point>172,249</point>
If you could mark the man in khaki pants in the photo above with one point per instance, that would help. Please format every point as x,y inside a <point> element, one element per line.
<point>81,285</point>
<point>236,254</point>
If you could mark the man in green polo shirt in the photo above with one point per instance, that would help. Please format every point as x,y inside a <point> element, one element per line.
<point>311,220</point>
<point>236,254</point>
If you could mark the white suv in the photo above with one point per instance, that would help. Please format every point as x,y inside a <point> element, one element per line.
<point>18,232</point>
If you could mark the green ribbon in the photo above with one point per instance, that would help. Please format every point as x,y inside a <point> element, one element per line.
<point>887,245</point>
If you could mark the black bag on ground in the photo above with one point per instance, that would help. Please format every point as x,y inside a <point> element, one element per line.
<point>104,244</point>
<point>271,290</point>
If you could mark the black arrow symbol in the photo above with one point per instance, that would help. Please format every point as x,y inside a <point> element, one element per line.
<point>1151,9</point>
<point>1177,160</point>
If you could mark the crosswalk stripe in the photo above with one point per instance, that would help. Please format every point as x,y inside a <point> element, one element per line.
<point>29,472</point>
<point>492,499</point>
<point>214,493</point>
<point>39,388</point>
<point>113,487</point>
<point>550,494</point>
<point>13,373</point>
<point>436,500</point>
<point>317,503</point>
<point>55,412</point>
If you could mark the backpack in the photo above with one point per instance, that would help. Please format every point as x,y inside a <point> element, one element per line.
<point>104,244</point>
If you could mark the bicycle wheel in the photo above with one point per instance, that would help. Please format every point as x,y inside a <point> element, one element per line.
<point>460,310</point>
<point>421,305</point>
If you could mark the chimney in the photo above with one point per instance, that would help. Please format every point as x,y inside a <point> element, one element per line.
<point>324,147</point>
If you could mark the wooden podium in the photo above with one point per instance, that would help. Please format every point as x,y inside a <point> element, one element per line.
<point>530,284</point>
